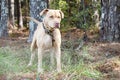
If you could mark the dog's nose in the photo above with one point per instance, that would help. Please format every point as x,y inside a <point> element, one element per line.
<point>57,25</point>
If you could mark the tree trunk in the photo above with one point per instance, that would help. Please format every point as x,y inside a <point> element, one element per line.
<point>35,8</point>
<point>110,20</point>
<point>69,9</point>
<point>83,5</point>
<point>11,13</point>
<point>47,3</point>
<point>27,12</point>
<point>18,12</point>
<point>0,9</point>
<point>20,17</point>
<point>96,13</point>
<point>4,18</point>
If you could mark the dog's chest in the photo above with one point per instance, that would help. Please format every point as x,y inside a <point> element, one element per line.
<point>46,42</point>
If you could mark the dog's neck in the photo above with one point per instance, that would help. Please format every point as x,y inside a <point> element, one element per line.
<point>49,32</point>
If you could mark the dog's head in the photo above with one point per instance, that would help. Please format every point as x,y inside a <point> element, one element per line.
<point>52,18</point>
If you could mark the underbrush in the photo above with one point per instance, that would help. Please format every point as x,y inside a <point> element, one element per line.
<point>75,66</point>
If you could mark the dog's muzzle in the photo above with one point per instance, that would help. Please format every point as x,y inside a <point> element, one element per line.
<point>57,25</point>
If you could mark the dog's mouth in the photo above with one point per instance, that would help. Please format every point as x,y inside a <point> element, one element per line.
<point>55,27</point>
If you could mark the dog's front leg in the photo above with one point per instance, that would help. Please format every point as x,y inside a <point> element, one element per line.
<point>52,58</point>
<point>40,70</point>
<point>58,58</point>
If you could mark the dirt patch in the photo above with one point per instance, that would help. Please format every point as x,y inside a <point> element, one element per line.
<point>16,38</point>
<point>25,76</point>
<point>104,51</point>
<point>3,77</point>
<point>111,49</point>
<point>14,43</point>
<point>110,68</point>
<point>107,55</point>
<point>72,34</point>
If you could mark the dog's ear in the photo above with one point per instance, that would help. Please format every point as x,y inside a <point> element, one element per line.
<point>44,12</point>
<point>62,14</point>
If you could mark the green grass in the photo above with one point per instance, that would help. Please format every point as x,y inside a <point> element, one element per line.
<point>74,65</point>
<point>10,61</point>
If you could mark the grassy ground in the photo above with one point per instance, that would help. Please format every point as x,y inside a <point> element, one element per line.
<point>94,61</point>
<point>13,63</point>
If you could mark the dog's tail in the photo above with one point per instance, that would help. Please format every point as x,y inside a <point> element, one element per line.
<point>33,19</point>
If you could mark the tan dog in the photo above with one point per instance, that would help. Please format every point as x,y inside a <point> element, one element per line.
<point>48,36</point>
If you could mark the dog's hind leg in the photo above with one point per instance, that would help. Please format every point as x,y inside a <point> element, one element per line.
<point>33,46</point>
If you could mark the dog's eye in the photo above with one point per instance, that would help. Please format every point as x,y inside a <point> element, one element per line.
<point>58,17</point>
<point>51,16</point>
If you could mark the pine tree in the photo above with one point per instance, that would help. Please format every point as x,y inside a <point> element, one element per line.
<point>3,18</point>
<point>110,20</point>
<point>35,8</point>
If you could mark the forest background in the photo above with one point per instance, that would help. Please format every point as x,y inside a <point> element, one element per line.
<point>90,39</point>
